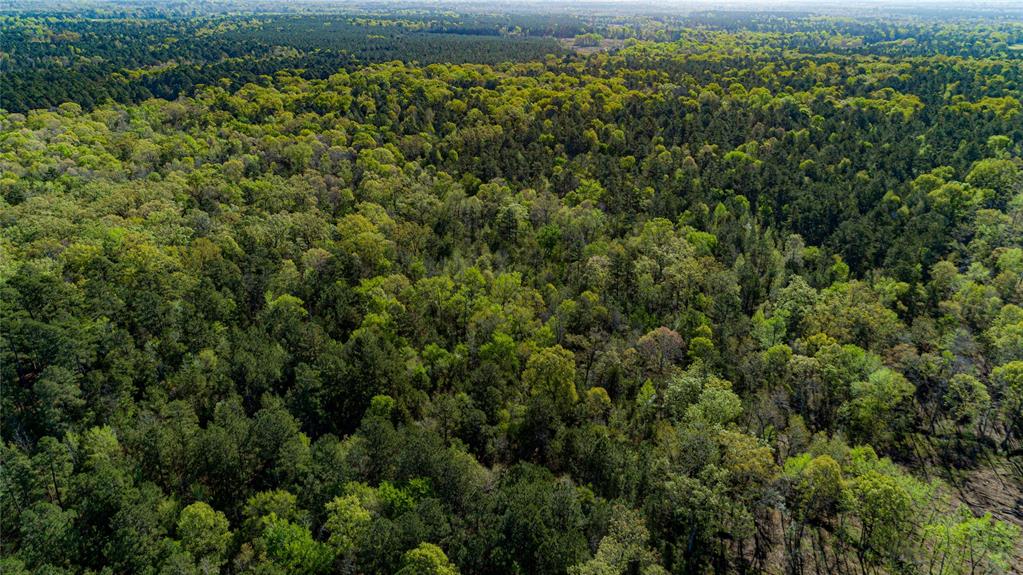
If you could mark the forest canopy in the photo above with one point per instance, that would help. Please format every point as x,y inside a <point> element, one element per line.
<point>436,290</point>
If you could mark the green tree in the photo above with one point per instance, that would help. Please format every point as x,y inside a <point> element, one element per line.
<point>48,535</point>
<point>292,548</point>
<point>884,509</point>
<point>1008,381</point>
<point>426,559</point>
<point>625,548</point>
<point>204,533</point>
<point>879,410</point>
<point>966,398</point>
<point>550,374</point>
<point>961,543</point>
<point>347,522</point>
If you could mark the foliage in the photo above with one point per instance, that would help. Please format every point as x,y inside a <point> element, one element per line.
<point>372,290</point>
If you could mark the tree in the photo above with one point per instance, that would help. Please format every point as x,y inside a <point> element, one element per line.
<point>47,535</point>
<point>426,559</point>
<point>852,312</point>
<point>624,549</point>
<point>820,488</point>
<point>1008,380</point>
<point>817,495</point>
<point>59,399</point>
<point>550,374</point>
<point>347,522</point>
<point>966,398</point>
<point>279,502</point>
<point>1000,175</point>
<point>962,543</point>
<point>204,533</point>
<point>884,509</point>
<point>660,348</point>
<point>292,548</point>
<point>879,409</point>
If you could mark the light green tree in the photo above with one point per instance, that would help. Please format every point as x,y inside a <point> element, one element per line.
<point>204,533</point>
<point>427,559</point>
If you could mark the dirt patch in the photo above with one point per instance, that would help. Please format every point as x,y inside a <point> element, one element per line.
<point>994,485</point>
<point>998,490</point>
<point>606,45</point>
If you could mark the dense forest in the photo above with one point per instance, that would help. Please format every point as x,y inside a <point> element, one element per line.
<point>429,291</point>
